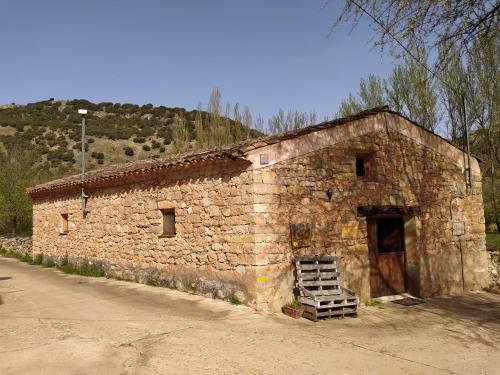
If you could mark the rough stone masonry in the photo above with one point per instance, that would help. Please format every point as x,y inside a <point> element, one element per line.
<point>24,245</point>
<point>233,209</point>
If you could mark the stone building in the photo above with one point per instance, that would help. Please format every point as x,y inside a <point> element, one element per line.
<point>391,199</point>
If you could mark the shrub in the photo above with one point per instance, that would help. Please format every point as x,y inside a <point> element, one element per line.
<point>84,269</point>
<point>48,263</point>
<point>234,301</point>
<point>139,140</point>
<point>17,255</point>
<point>68,156</point>
<point>55,162</point>
<point>100,161</point>
<point>43,149</point>
<point>78,146</point>
<point>50,136</point>
<point>67,110</point>
<point>38,259</point>
<point>155,144</point>
<point>146,148</point>
<point>64,260</point>
<point>295,304</point>
<point>162,149</point>
<point>128,151</point>
<point>145,131</point>
<point>97,155</point>
<point>61,154</point>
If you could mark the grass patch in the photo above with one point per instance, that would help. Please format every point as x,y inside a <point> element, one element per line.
<point>234,301</point>
<point>17,255</point>
<point>38,260</point>
<point>295,304</point>
<point>373,302</point>
<point>84,269</point>
<point>487,289</point>
<point>48,263</point>
<point>493,239</point>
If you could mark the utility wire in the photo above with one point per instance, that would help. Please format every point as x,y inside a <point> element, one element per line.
<point>406,49</point>
<point>433,74</point>
<point>412,55</point>
<point>415,58</point>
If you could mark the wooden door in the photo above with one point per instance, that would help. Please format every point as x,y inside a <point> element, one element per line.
<point>387,256</point>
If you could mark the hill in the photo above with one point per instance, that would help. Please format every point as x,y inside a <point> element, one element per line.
<point>115,132</point>
<point>42,141</point>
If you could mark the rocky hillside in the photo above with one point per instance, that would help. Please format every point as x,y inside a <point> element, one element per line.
<point>115,132</point>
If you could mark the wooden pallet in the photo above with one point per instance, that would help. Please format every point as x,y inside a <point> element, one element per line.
<point>315,314</point>
<point>321,290</point>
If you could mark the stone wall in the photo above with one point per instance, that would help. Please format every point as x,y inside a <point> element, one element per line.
<point>211,254</point>
<point>447,232</point>
<point>23,245</point>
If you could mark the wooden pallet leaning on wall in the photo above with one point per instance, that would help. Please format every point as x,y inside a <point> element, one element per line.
<point>320,288</point>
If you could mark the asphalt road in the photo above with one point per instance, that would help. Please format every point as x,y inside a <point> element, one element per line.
<point>51,323</point>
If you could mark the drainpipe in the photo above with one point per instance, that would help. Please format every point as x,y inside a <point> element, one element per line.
<point>468,183</point>
<point>83,113</point>
<point>459,242</point>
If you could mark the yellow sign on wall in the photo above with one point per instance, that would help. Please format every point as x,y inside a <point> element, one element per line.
<point>349,229</point>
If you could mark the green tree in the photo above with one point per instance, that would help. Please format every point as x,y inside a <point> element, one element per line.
<point>18,172</point>
<point>349,106</point>
<point>246,120</point>
<point>292,120</point>
<point>238,129</point>
<point>201,137</point>
<point>214,119</point>
<point>456,77</point>
<point>227,137</point>
<point>411,91</point>
<point>485,102</point>
<point>259,123</point>
<point>432,24</point>
<point>180,135</point>
<point>372,93</point>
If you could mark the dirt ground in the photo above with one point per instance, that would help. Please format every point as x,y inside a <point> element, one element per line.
<point>52,323</point>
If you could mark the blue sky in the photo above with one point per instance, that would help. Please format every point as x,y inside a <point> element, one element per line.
<point>264,54</point>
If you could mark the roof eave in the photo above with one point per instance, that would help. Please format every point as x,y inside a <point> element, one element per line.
<point>41,190</point>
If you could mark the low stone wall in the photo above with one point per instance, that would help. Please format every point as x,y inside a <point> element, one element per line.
<point>20,244</point>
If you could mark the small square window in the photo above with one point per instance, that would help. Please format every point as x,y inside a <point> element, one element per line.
<point>64,224</point>
<point>168,222</point>
<point>360,167</point>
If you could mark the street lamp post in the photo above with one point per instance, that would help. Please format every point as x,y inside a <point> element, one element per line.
<point>83,113</point>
